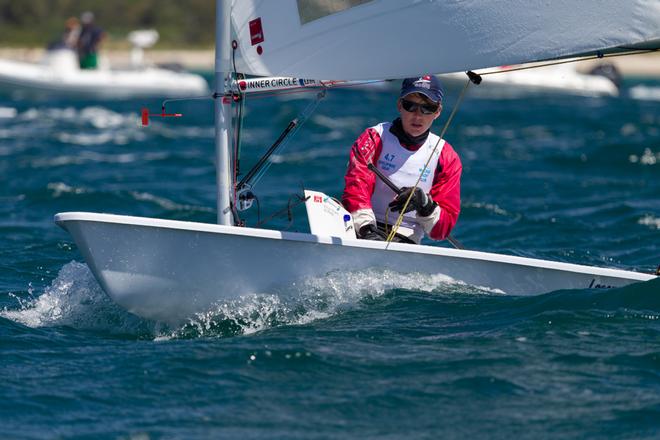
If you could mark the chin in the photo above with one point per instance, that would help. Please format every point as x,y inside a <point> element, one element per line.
<point>411,131</point>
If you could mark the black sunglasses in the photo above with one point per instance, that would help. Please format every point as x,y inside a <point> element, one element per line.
<point>426,109</point>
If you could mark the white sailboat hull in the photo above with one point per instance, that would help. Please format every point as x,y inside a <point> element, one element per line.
<point>168,270</point>
<point>59,74</point>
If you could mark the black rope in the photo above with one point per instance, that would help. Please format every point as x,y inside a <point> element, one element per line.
<point>237,129</point>
<point>260,163</point>
<point>288,209</point>
<point>190,98</point>
<point>237,219</point>
<point>234,46</point>
<point>258,209</point>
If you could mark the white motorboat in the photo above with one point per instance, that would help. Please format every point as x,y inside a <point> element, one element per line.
<point>59,74</point>
<point>513,81</point>
<point>168,270</point>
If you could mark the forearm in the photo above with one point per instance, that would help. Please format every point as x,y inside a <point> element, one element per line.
<point>359,180</point>
<point>446,192</point>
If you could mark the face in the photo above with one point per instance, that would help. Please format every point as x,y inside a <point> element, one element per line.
<point>416,123</point>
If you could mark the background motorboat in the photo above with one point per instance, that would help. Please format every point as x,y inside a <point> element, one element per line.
<point>601,80</point>
<point>59,73</point>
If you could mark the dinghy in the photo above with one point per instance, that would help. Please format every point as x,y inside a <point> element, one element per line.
<point>169,270</point>
<point>59,74</point>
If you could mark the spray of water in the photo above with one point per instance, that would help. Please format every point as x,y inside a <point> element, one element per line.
<point>74,299</point>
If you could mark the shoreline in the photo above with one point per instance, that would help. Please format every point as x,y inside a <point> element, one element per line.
<point>198,59</point>
<point>641,65</point>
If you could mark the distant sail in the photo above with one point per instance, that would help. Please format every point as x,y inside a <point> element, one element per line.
<point>377,39</point>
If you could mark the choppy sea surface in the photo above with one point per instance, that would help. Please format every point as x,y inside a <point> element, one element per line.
<point>365,354</point>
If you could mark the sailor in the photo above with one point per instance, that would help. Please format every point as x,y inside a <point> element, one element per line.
<point>400,150</point>
<point>88,41</point>
<point>69,37</point>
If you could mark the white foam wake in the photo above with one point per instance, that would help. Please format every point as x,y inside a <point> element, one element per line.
<point>74,299</point>
<point>317,298</point>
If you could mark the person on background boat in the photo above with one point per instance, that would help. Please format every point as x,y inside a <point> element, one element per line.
<point>88,42</point>
<point>69,37</point>
<point>400,149</point>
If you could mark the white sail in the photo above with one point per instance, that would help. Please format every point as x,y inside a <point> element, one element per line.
<point>376,39</point>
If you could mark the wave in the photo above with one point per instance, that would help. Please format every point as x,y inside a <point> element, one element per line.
<point>90,126</point>
<point>8,112</point>
<point>647,158</point>
<point>98,117</point>
<point>488,207</point>
<point>329,295</point>
<point>57,190</point>
<point>84,157</point>
<point>75,299</point>
<point>307,156</point>
<point>636,302</point>
<point>650,221</point>
<point>352,123</point>
<point>167,204</point>
<point>311,300</point>
<point>645,93</point>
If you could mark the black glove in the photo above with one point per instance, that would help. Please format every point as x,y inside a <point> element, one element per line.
<point>371,232</point>
<point>420,202</point>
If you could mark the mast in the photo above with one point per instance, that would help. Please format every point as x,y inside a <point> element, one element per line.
<point>223,111</point>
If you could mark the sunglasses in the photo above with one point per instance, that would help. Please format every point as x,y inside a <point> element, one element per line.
<point>426,109</point>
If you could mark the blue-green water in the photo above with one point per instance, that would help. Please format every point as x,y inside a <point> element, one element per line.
<point>360,355</point>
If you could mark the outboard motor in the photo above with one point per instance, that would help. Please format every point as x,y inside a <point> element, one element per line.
<point>609,71</point>
<point>141,39</point>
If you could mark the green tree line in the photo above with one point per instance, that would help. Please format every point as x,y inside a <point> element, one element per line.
<point>180,23</point>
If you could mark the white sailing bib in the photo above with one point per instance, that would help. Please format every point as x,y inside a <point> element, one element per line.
<point>403,167</point>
